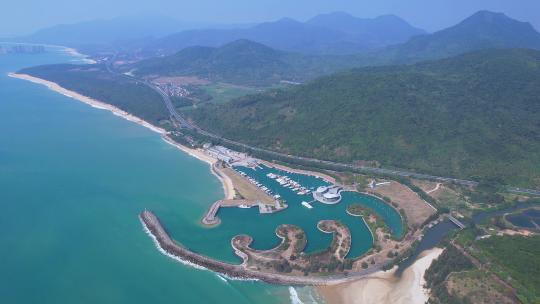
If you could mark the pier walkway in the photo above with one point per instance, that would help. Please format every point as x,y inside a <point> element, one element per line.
<point>210,217</point>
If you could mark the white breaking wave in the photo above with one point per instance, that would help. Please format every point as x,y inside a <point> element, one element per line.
<point>188,263</point>
<point>222,278</point>
<point>294,296</point>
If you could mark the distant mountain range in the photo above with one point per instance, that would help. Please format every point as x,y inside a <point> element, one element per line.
<point>374,33</point>
<point>336,33</point>
<point>250,63</point>
<point>242,62</point>
<point>108,31</point>
<point>482,30</point>
<point>471,116</point>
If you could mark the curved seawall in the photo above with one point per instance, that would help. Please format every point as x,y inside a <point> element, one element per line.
<point>173,249</point>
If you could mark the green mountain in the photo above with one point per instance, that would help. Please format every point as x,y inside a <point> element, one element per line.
<point>250,63</point>
<point>482,30</point>
<point>242,62</point>
<point>476,115</point>
<point>375,32</point>
<point>96,82</point>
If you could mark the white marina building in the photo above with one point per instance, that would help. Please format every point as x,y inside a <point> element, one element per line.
<point>328,195</point>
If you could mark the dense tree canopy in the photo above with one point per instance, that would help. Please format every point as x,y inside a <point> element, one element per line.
<point>475,116</point>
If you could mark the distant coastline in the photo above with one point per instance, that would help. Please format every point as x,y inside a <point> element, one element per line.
<point>89,101</point>
<point>75,53</point>
<point>228,187</point>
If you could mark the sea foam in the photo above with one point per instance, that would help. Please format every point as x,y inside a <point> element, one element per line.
<point>294,296</point>
<point>222,276</point>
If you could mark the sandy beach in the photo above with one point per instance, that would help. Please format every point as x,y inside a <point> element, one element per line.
<point>92,102</point>
<point>75,53</point>
<point>384,287</point>
<point>228,186</point>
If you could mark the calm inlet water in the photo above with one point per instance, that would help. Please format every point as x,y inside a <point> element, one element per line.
<point>74,179</point>
<point>262,227</point>
<point>529,218</point>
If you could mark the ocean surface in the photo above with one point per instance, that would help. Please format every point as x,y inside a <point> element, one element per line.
<point>72,182</point>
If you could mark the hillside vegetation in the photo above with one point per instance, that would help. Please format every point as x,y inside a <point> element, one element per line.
<point>94,81</point>
<point>242,62</point>
<point>334,33</point>
<point>515,258</point>
<point>472,116</point>
<point>250,63</point>
<point>481,30</point>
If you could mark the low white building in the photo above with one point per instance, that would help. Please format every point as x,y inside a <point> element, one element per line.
<point>328,195</point>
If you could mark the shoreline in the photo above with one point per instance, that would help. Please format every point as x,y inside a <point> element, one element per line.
<point>170,248</point>
<point>73,52</point>
<point>228,187</point>
<point>53,86</point>
<point>385,287</point>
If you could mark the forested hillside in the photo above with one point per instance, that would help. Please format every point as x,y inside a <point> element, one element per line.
<point>250,63</point>
<point>243,62</point>
<point>472,116</point>
<point>482,30</point>
<point>94,81</point>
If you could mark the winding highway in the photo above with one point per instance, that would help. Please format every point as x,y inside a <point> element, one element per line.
<point>184,123</point>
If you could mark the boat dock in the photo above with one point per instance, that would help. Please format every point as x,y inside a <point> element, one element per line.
<point>287,182</point>
<point>211,219</point>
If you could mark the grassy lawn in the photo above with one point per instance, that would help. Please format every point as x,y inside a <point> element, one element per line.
<point>222,92</point>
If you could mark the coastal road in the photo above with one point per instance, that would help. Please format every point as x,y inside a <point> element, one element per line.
<point>166,99</point>
<point>184,123</point>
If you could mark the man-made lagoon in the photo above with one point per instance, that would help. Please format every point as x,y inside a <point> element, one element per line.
<point>261,227</point>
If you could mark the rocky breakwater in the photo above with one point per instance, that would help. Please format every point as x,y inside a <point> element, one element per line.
<point>172,248</point>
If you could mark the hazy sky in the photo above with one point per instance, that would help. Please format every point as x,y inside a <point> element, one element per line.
<point>22,16</point>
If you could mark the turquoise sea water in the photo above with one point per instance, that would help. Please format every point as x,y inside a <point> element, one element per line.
<point>72,181</point>
<point>307,219</point>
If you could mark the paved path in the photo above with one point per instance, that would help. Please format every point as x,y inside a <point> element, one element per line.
<point>434,189</point>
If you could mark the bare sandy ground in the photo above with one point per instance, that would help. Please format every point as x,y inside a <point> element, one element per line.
<point>416,209</point>
<point>384,287</point>
<point>228,187</point>
<point>76,53</point>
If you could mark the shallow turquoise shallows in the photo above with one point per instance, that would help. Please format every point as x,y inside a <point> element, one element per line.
<point>72,181</point>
